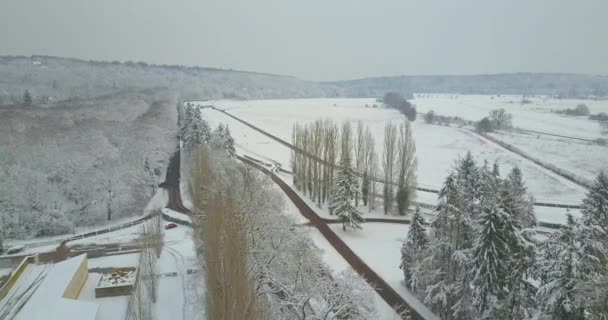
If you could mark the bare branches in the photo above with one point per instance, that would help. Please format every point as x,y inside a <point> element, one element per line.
<point>222,229</point>
<point>388,164</point>
<point>407,165</point>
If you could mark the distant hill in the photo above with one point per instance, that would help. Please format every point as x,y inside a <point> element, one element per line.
<point>556,84</point>
<point>63,78</point>
<point>53,79</point>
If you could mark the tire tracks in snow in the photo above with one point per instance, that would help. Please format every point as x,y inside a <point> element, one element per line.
<point>384,290</point>
<point>180,266</point>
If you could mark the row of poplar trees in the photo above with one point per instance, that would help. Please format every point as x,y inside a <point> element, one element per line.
<point>338,165</point>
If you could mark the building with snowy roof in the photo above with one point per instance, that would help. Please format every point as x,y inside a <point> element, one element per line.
<point>55,295</point>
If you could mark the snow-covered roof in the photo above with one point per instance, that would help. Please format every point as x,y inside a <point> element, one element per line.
<point>64,309</point>
<point>47,302</point>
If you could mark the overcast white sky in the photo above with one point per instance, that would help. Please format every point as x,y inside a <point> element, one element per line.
<point>319,39</point>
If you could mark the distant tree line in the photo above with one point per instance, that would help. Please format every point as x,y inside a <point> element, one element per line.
<point>433,118</point>
<point>397,101</point>
<point>580,110</point>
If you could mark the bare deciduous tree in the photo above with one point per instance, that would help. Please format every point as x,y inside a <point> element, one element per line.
<point>222,231</point>
<point>501,119</point>
<point>388,164</point>
<point>407,165</point>
<point>359,148</point>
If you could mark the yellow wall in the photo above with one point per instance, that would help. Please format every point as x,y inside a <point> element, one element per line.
<point>73,289</point>
<point>15,276</point>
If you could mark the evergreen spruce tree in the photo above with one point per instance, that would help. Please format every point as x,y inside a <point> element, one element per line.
<point>229,142</point>
<point>403,198</point>
<point>412,250</point>
<point>522,203</point>
<point>343,193</point>
<point>187,134</point>
<point>441,272</point>
<point>520,302</point>
<point>518,205</point>
<point>467,174</point>
<point>365,184</point>
<point>560,270</point>
<point>389,197</point>
<point>595,204</point>
<point>594,244</point>
<point>27,98</point>
<point>200,127</point>
<point>219,131</point>
<point>496,170</point>
<point>490,254</point>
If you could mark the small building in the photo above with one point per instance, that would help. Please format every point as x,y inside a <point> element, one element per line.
<point>118,282</point>
<point>55,296</point>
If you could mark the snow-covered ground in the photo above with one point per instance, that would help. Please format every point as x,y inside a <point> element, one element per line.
<point>109,307</point>
<point>535,116</point>
<point>583,159</point>
<point>5,271</point>
<point>30,279</point>
<point>180,297</point>
<point>120,236</point>
<point>332,258</point>
<point>177,216</point>
<point>437,146</point>
<point>45,244</point>
<point>379,245</point>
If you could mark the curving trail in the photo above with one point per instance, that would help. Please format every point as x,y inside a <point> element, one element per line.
<point>171,184</point>
<point>383,289</point>
<point>181,270</point>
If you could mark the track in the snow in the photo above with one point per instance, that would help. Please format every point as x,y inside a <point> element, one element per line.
<point>383,289</point>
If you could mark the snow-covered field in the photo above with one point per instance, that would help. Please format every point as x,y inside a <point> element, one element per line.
<point>437,146</point>
<point>535,116</point>
<point>583,159</point>
<point>379,245</point>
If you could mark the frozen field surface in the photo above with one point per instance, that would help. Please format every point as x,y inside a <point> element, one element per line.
<point>536,115</point>
<point>438,147</point>
<point>584,160</point>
